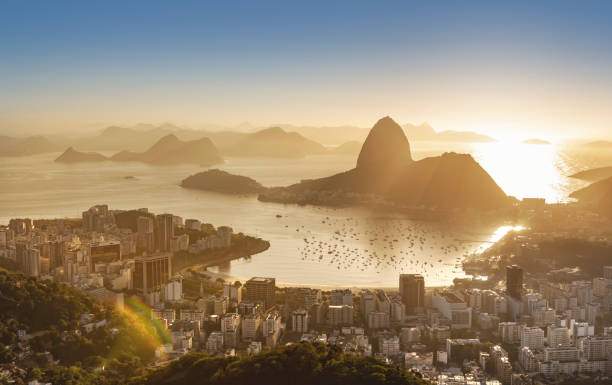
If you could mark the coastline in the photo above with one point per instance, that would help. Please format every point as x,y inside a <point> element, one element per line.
<point>247,247</point>
<point>230,278</point>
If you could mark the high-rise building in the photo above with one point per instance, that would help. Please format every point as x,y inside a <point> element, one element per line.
<point>151,271</point>
<point>514,281</point>
<point>32,263</point>
<point>378,320</point>
<point>558,336</point>
<point>340,315</point>
<point>509,332</point>
<point>607,272</point>
<point>165,231</point>
<point>299,321</point>
<point>368,303</point>
<point>146,233</point>
<point>532,337</point>
<point>341,297</point>
<point>261,289</point>
<point>251,326</point>
<point>233,292</point>
<point>412,290</point>
<point>97,218</point>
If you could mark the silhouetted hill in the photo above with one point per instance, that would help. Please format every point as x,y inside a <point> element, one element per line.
<point>32,145</point>
<point>536,141</point>
<point>223,182</point>
<point>594,175</point>
<point>385,168</point>
<point>73,156</point>
<point>598,194</point>
<point>170,150</point>
<point>297,364</point>
<point>274,142</point>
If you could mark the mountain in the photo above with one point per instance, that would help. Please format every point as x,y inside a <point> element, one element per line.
<point>170,150</point>
<point>598,195</point>
<point>32,145</point>
<point>137,138</point>
<point>387,135</point>
<point>270,142</point>
<point>223,182</point>
<point>594,174</point>
<point>274,142</point>
<point>536,141</point>
<point>385,168</point>
<point>73,156</point>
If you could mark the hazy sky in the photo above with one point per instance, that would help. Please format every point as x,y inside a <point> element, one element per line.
<point>531,68</point>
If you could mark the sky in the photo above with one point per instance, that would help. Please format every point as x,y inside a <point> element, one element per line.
<point>501,68</point>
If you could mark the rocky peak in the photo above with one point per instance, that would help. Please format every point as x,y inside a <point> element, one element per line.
<point>385,147</point>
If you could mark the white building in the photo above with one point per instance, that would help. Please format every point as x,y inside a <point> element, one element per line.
<point>558,336</point>
<point>509,332</point>
<point>389,346</point>
<point>173,290</point>
<point>214,343</point>
<point>454,309</point>
<point>251,326</point>
<point>341,297</point>
<point>532,337</point>
<point>378,320</point>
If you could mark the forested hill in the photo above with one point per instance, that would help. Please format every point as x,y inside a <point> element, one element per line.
<point>38,305</point>
<point>297,364</point>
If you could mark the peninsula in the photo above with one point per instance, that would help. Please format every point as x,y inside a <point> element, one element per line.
<point>386,172</point>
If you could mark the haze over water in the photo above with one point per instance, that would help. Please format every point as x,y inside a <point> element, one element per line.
<point>309,245</point>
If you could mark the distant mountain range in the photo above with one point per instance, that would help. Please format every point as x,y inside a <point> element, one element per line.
<point>168,150</point>
<point>272,142</point>
<point>32,145</point>
<point>336,135</point>
<point>385,168</point>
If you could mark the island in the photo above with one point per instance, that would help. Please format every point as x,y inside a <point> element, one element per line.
<point>222,182</point>
<point>169,150</point>
<point>73,156</point>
